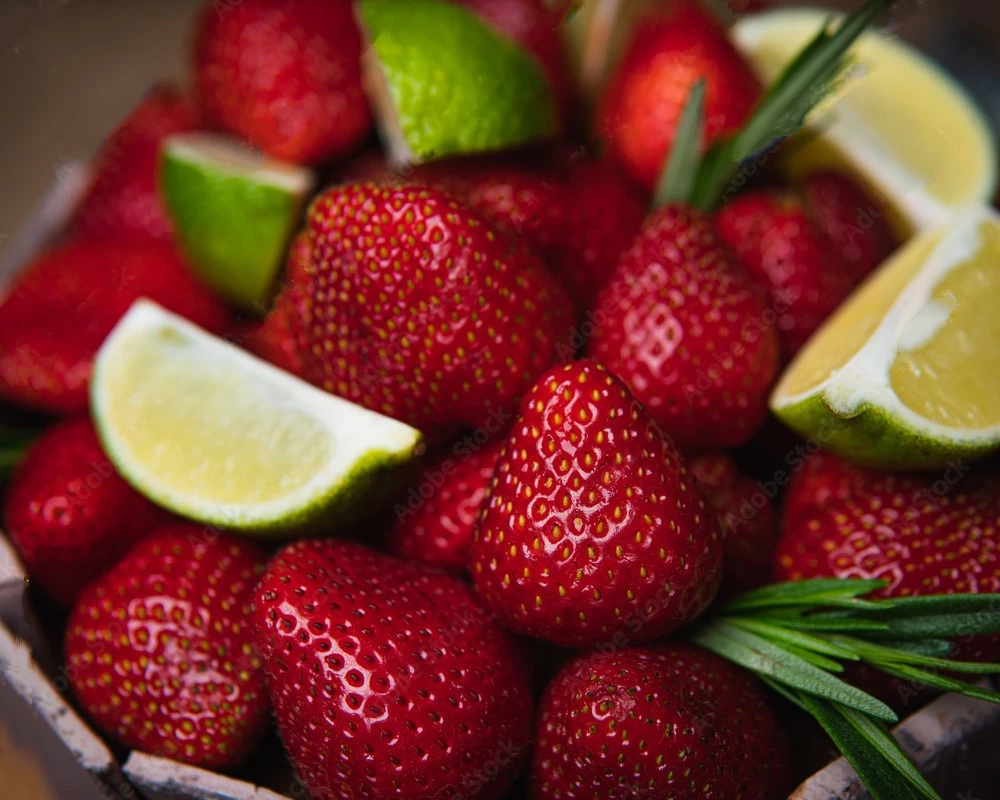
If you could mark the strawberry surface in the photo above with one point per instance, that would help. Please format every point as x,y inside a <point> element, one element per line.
<point>669,51</point>
<point>684,326</point>
<point>388,679</point>
<point>158,649</point>
<point>123,200</point>
<point>435,521</point>
<point>66,301</point>
<point>672,721</point>
<point>593,531</point>
<point>420,311</point>
<point>70,515</point>
<point>283,74</point>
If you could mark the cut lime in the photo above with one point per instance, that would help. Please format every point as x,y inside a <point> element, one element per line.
<point>234,211</point>
<point>445,83</point>
<point>906,373</point>
<point>899,123</point>
<point>212,433</point>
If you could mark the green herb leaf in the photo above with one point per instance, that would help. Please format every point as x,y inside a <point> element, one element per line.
<point>937,648</point>
<point>833,624</point>
<point>769,630</point>
<point>880,654</point>
<point>809,594</point>
<point>933,679</point>
<point>763,657</point>
<point>677,180</point>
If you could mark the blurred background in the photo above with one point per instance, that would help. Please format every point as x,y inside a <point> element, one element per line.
<point>70,69</point>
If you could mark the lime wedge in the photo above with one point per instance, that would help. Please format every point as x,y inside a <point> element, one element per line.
<point>212,433</point>
<point>445,83</point>
<point>898,122</point>
<point>234,211</point>
<point>906,373</point>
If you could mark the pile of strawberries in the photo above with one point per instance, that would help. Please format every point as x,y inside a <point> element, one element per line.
<point>583,370</point>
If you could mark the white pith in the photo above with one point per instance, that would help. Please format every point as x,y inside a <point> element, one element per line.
<point>356,431</point>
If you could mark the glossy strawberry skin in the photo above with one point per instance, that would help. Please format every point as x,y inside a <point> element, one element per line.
<point>435,520</point>
<point>388,679</point>
<point>123,200</point>
<point>671,721</point>
<point>851,218</point>
<point>68,512</point>
<point>924,534</point>
<point>284,75</point>
<point>683,325</point>
<point>58,312</point>
<point>420,311</point>
<point>642,104</point>
<point>777,241</point>
<point>593,531</point>
<point>747,521</point>
<point>158,650</point>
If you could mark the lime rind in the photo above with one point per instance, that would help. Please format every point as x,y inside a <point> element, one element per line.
<point>455,86</point>
<point>368,447</point>
<point>234,211</point>
<point>855,412</point>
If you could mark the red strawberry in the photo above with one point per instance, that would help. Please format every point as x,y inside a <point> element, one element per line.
<point>388,679</point>
<point>681,322</point>
<point>56,315</point>
<point>123,200</point>
<point>746,518</point>
<point>436,524</point>
<point>819,477</point>
<point>593,531</point>
<point>642,104</point>
<point>925,534</point>
<point>853,220</point>
<point>673,721</point>
<point>420,311</point>
<point>535,25</point>
<point>158,650</point>
<point>285,75</point>
<point>783,250</point>
<point>69,514</point>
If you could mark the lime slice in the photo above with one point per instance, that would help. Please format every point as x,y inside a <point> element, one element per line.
<point>212,433</point>
<point>899,123</point>
<point>444,83</point>
<point>234,211</point>
<point>906,373</point>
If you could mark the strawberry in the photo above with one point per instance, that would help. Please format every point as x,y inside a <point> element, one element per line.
<point>782,249</point>
<point>158,650</point>
<point>668,52</point>
<point>851,219</point>
<point>593,531</point>
<point>924,534</point>
<point>681,322</point>
<point>672,721</point>
<point>436,523</point>
<point>69,514</point>
<point>57,313</point>
<point>123,200</point>
<point>388,678</point>
<point>285,75</point>
<point>420,311</point>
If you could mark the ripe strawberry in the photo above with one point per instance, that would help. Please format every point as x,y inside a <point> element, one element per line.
<point>420,311</point>
<point>56,315</point>
<point>388,679</point>
<point>69,514</point>
<point>780,246</point>
<point>681,322</point>
<point>158,650</point>
<point>436,524</point>
<point>746,518</point>
<point>642,104</point>
<point>925,534</point>
<point>672,721</point>
<point>123,200</point>
<point>593,530</point>
<point>285,75</point>
<point>850,218</point>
